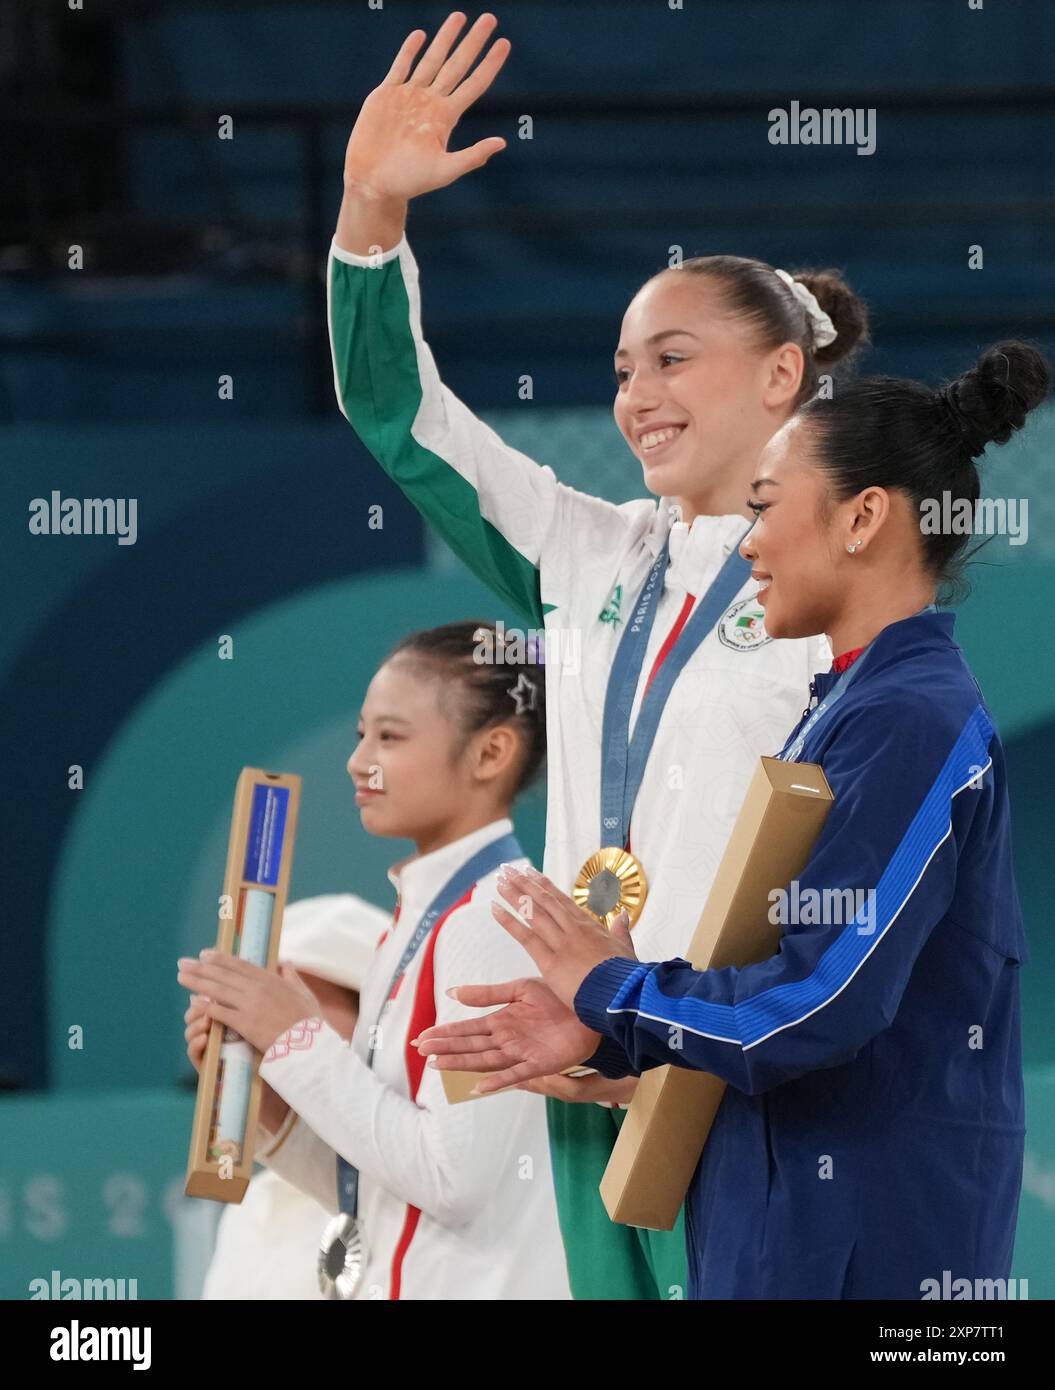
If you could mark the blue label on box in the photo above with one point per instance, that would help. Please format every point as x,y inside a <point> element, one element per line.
<point>267,829</point>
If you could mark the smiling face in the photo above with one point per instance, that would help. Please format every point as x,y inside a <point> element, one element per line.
<point>696,400</point>
<point>795,546</point>
<point>845,566</point>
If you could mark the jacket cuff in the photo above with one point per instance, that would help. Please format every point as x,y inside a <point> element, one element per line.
<point>600,988</point>
<point>611,1061</point>
<point>288,1064</point>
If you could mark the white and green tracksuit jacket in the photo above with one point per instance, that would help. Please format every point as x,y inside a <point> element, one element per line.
<point>574,564</point>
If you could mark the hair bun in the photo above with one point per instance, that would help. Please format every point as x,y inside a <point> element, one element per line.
<point>847,311</point>
<point>989,402</point>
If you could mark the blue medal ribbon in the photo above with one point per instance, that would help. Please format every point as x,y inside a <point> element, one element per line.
<point>623,759</point>
<point>482,863</point>
<point>791,750</point>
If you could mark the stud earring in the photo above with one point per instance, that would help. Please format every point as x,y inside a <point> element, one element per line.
<point>853,548</point>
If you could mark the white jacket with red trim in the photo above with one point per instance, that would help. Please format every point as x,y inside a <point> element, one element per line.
<point>455,1201</point>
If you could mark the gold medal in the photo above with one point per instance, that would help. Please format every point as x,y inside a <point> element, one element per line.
<point>608,881</point>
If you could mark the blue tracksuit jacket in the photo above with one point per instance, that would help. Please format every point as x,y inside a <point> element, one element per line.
<point>872,1133</point>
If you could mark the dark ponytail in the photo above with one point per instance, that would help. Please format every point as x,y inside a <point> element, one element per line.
<point>753,291</point>
<point>885,432</point>
<point>486,678</point>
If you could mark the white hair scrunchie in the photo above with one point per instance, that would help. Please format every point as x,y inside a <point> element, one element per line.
<point>824,331</point>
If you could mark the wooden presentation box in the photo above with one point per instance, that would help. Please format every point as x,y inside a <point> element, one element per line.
<point>667,1123</point>
<point>256,884</point>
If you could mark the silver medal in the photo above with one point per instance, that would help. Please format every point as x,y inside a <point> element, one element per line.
<point>342,1256</point>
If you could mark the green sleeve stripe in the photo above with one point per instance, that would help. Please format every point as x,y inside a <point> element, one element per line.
<point>380,392</point>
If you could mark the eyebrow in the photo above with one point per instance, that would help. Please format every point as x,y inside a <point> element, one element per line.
<point>387,718</point>
<point>658,338</point>
<point>764,482</point>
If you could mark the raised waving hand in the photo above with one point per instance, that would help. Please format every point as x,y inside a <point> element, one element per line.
<point>398,147</point>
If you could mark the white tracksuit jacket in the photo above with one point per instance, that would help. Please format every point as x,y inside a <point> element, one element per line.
<point>456,1201</point>
<point>577,563</point>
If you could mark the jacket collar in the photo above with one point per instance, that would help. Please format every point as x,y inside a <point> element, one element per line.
<point>419,877</point>
<point>908,637</point>
<point>697,551</point>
